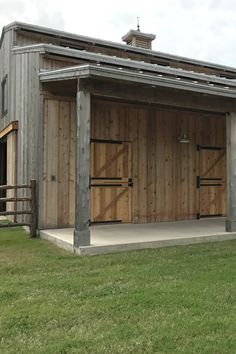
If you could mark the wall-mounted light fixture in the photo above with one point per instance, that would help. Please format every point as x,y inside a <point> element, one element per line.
<point>183,139</point>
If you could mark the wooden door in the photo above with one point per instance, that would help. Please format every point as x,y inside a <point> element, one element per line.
<point>211,181</point>
<point>111,182</point>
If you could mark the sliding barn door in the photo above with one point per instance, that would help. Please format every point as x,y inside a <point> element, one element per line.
<point>211,182</point>
<point>110,181</point>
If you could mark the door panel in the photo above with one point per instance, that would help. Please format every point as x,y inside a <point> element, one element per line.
<point>109,204</point>
<point>212,181</point>
<point>110,182</point>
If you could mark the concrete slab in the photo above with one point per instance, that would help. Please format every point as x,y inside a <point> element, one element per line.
<point>123,237</point>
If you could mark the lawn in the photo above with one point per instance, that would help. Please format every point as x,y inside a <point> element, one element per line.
<point>173,300</point>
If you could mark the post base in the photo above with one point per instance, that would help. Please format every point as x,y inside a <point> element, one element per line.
<point>81,238</point>
<point>230,226</point>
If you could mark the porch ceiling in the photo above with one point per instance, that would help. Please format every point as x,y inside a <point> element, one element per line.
<point>154,77</point>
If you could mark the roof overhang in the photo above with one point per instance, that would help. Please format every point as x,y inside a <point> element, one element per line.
<point>123,63</point>
<point>180,78</point>
<point>126,76</point>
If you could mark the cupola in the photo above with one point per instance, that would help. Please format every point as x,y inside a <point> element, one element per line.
<point>136,38</point>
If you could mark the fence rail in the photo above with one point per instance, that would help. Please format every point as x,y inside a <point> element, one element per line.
<point>32,204</point>
<point>20,186</point>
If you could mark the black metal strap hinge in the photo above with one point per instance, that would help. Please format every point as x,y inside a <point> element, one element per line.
<point>130,182</point>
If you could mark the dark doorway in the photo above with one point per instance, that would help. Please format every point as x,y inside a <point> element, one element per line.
<point>3,171</point>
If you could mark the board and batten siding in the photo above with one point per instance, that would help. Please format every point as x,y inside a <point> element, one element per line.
<point>24,107</point>
<point>26,110</point>
<point>163,170</point>
<point>53,64</point>
<point>27,113</point>
<point>59,162</point>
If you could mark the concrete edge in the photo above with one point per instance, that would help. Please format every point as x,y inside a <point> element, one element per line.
<point>59,243</point>
<point>96,250</point>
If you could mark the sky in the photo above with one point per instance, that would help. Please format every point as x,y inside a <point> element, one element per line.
<point>199,29</point>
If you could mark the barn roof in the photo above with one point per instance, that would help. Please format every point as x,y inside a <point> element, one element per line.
<point>109,44</point>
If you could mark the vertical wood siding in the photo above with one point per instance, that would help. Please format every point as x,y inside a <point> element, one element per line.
<point>26,110</point>
<point>59,162</point>
<point>163,170</point>
<point>7,68</point>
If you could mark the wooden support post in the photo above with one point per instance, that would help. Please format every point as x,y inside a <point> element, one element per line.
<point>34,215</point>
<point>82,170</point>
<point>231,171</point>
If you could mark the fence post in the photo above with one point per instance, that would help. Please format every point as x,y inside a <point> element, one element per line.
<point>34,215</point>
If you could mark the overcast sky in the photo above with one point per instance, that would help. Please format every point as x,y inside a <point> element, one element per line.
<point>201,29</point>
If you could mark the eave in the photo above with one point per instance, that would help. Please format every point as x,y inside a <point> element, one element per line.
<point>106,73</point>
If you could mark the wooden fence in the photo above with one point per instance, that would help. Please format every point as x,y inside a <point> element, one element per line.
<point>31,210</point>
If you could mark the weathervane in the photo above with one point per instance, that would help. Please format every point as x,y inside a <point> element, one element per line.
<point>138,25</point>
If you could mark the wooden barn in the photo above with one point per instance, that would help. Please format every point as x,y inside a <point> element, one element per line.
<point>115,133</point>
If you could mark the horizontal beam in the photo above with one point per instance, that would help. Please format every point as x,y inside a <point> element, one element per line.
<point>5,187</point>
<point>4,200</point>
<point>159,97</point>
<point>9,128</point>
<point>2,226</point>
<point>23,212</point>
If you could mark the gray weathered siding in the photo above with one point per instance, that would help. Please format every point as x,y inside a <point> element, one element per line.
<point>27,103</point>
<point>6,68</point>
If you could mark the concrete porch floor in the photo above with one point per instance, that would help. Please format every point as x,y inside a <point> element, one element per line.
<point>123,237</point>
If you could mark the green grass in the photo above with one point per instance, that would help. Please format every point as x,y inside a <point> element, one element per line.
<point>173,300</point>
